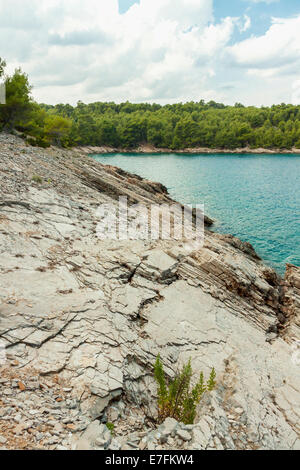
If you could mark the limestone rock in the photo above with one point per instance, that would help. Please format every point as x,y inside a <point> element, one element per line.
<point>96,436</point>
<point>90,316</point>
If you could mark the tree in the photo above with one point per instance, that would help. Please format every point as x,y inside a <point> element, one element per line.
<point>57,130</point>
<point>107,133</point>
<point>2,96</point>
<point>186,133</point>
<point>128,125</point>
<point>18,99</point>
<point>2,66</point>
<point>155,132</point>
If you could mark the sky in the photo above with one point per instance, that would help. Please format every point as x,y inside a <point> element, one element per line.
<point>162,51</point>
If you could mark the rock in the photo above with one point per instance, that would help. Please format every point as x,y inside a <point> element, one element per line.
<point>168,428</point>
<point>142,445</point>
<point>291,305</point>
<point>115,445</point>
<point>114,414</point>
<point>100,443</point>
<point>184,435</point>
<point>3,440</point>
<point>96,435</point>
<point>71,404</point>
<point>89,316</point>
<point>21,386</point>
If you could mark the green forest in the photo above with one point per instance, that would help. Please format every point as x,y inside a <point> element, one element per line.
<point>127,125</point>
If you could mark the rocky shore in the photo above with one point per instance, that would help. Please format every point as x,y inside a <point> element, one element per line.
<point>82,320</point>
<point>147,148</point>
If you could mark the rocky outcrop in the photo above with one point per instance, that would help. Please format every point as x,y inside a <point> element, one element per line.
<point>83,319</point>
<point>291,303</point>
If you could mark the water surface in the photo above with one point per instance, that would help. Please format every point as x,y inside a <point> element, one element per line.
<point>254,197</point>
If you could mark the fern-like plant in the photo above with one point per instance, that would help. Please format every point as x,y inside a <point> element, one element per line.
<point>111,428</point>
<point>176,398</point>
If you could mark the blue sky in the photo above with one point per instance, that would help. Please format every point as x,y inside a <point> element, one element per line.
<point>155,50</point>
<point>260,12</point>
<point>124,5</point>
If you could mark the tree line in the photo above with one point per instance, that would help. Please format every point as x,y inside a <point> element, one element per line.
<point>127,125</point>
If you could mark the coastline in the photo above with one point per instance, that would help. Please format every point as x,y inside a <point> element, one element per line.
<point>149,149</point>
<point>84,328</point>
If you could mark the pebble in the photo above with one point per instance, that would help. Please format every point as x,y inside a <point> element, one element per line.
<point>34,412</point>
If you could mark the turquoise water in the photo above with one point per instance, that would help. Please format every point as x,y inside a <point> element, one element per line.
<point>254,197</point>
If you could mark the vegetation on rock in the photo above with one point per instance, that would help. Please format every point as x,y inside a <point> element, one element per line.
<point>176,399</point>
<point>111,428</point>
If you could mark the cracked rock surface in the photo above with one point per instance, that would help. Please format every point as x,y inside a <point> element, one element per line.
<point>82,319</point>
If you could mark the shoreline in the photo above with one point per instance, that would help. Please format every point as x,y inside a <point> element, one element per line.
<point>120,303</point>
<point>148,149</point>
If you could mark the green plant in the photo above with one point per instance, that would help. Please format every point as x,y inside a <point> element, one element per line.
<point>31,141</point>
<point>111,428</point>
<point>176,398</point>
<point>37,179</point>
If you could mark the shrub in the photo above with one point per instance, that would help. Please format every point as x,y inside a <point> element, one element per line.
<point>42,142</point>
<point>176,398</point>
<point>38,142</point>
<point>31,141</point>
<point>37,179</point>
<point>111,428</point>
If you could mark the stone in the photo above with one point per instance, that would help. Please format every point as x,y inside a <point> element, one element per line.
<point>168,427</point>
<point>184,435</point>
<point>96,411</point>
<point>114,414</point>
<point>96,435</point>
<point>115,445</point>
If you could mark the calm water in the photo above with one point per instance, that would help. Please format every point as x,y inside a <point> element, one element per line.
<point>255,197</point>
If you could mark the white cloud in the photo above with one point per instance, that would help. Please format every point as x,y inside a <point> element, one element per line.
<point>280,46</point>
<point>246,25</point>
<point>270,63</point>
<point>159,50</point>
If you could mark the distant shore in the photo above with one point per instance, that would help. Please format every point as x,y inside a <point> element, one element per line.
<point>195,150</point>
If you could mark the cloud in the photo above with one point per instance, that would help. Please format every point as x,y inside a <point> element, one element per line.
<point>280,46</point>
<point>247,24</point>
<point>159,50</point>
<point>78,38</point>
<point>266,66</point>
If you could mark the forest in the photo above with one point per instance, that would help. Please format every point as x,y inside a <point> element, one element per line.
<point>128,125</point>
